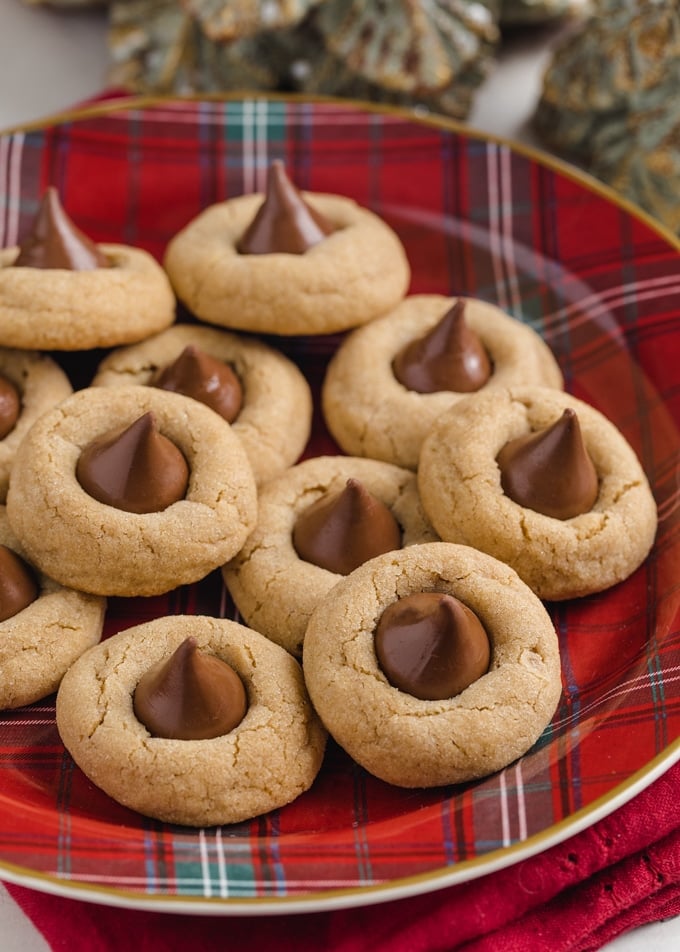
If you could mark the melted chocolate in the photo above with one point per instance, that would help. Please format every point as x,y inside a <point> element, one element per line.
<point>135,469</point>
<point>342,530</point>
<point>431,646</point>
<point>212,382</point>
<point>18,585</point>
<point>190,696</point>
<point>550,470</point>
<point>284,222</point>
<point>10,406</point>
<point>55,242</point>
<point>449,357</point>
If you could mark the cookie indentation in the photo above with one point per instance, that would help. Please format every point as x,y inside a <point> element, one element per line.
<point>431,645</point>
<point>284,222</point>
<point>450,356</point>
<point>550,471</point>
<point>136,468</point>
<point>190,696</point>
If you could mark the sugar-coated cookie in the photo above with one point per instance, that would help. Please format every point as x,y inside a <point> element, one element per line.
<point>370,413</point>
<point>355,274</point>
<point>41,641</point>
<point>40,384</point>
<point>411,742</point>
<point>99,548</point>
<point>274,589</point>
<point>266,761</point>
<point>275,419</point>
<point>58,309</point>
<point>461,490</point>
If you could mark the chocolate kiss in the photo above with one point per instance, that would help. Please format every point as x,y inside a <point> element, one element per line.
<point>10,406</point>
<point>18,586</point>
<point>431,646</point>
<point>198,375</point>
<point>190,696</point>
<point>449,357</point>
<point>55,242</point>
<point>284,221</point>
<point>550,471</point>
<point>342,530</point>
<point>135,469</point>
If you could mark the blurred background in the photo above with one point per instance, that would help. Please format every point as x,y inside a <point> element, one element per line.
<point>54,54</point>
<point>596,82</point>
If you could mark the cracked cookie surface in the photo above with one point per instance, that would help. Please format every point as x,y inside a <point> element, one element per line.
<point>370,413</point>
<point>56,309</point>
<point>40,643</point>
<point>268,760</point>
<point>355,274</point>
<point>100,549</point>
<point>41,384</point>
<point>274,589</point>
<point>460,487</point>
<point>414,743</point>
<point>275,420</point>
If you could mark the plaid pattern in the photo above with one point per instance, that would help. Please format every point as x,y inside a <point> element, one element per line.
<point>602,286</point>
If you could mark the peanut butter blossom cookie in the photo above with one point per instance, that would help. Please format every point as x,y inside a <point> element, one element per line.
<point>253,386</point>
<point>389,381</point>
<point>433,665</point>
<point>192,720</point>
<point>131,491</point>
<point>30,384</point>
<point>61,291</point>
<point>288,262</point>
<point>542,481</point>
<point>316,523</point>
<point>44,627</point>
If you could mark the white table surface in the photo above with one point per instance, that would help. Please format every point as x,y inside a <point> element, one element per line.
<point>51,59</point>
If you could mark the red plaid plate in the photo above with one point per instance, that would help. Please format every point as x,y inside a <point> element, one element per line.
<point>598,280</point>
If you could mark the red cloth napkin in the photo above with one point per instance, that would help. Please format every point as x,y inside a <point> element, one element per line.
<point>622,872</point>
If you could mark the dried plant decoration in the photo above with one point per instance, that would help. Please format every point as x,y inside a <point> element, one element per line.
<point>620,62</point>
<point>156,46</point>
<point>160,46</point>
<point>649,173</point>
<point>67,4</point>
<point>519,12</point>
<point>611,101</point>
<point>235,19</point>
<point>149,41</point>
<point>316,71</point>
<point>406,45</point>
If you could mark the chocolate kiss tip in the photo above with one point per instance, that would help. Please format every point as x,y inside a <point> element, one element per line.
<point>190,696</point>
<point>284,222</point>
<point>136,469</point>
<point>56,242</point>
<point>206,379</point>
<point>10,406</point>
<point>449,357</point>
<point>431,645</point>
<point>342,530</point>
<point>18,586</point>
<point>551,471</point>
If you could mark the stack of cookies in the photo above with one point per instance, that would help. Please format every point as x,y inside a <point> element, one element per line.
<point>390,594</point>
